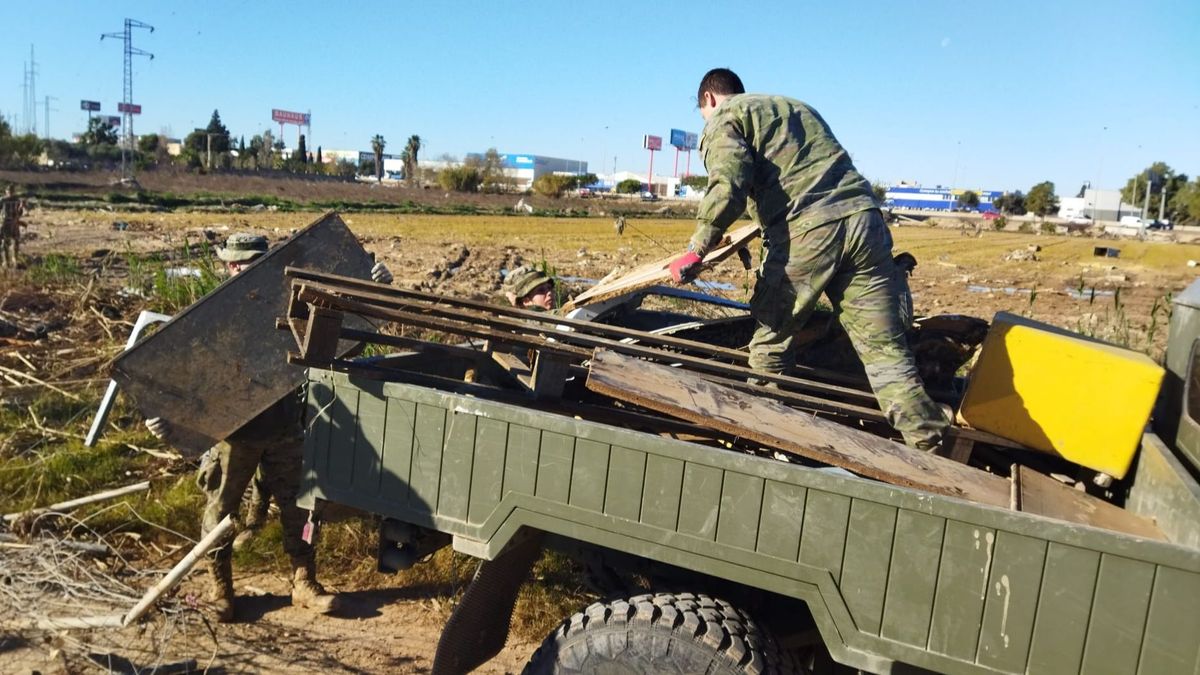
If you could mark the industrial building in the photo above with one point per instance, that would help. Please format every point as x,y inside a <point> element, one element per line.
<point>1097,205</point>
<point>526,168</point>
<point>935,198</point>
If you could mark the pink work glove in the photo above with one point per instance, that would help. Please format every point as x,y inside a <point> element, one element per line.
<point>685,268</point>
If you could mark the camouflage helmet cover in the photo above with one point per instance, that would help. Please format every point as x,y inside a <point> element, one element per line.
<point>524,280</point>
<point>243,247</point>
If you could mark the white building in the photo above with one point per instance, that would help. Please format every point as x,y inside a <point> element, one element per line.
<point>1098,205</point>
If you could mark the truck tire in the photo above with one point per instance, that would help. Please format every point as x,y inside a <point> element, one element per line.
<point>661,633</point>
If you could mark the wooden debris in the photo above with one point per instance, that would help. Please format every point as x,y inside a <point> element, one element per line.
<point>769,422</point>
<point>657,272</point>
<point>76,503</point>
<point>178,571</point>
<point>1044,496</point>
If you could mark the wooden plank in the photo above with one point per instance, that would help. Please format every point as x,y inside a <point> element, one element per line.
<point>321,334</point>
<point>487,473</point>
<point>823,539</point>
<point>427,457</point>
<point>741,509</point>
<point>221,361</point>
<point>912,579</point>
<point>660,494</point>
<point>1118,618</point>
<point>1045,496</point>
<point>457,456</point>
<point>515,367</point>
<point>766,421</point>
<point>589,475</point>
<point>549,375</point>
<point>623,494</point>
<point>700,501</point>
<point>1064,605</point>
<point>657,272</point>
<point>554,467</point>
<point>1172,642</point>
<point>961,590</point>
<point>782,517</point>
<point>866,561</point>
<point>397,450</point>
<point>521,459</point>
<point>1011,602</point>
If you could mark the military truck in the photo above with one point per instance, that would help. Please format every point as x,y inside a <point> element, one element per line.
<point>730,562</point>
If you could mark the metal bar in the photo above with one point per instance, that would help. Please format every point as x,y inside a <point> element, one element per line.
<point>382,291</point>
<point>144,319</point>
<point>578,337</point>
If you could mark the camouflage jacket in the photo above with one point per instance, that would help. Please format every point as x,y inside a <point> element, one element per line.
<point>283,422</point>
<point>780,154</point>
<point>11,209</point>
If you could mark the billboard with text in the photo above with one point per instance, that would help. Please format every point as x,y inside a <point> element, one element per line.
<point>683,140</point>
<point>90,106</point>
<point>289,117</point>
<point>652,142</point>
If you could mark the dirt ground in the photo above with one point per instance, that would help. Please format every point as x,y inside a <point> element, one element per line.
<point>395,630</point>
<point>1123,299</point>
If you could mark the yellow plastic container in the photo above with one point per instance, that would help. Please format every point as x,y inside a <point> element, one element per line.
<point>1062,393</point>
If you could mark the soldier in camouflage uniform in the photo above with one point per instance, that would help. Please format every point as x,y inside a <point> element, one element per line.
<point>11,210</point>
<point>272,446</point>
<point>822,233</point>
<point>529,288</point>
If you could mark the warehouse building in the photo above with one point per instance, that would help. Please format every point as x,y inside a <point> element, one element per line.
<point>523,169</point>
<point>935,199</point>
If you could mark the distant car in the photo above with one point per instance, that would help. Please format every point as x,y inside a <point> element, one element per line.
<point>585,192</point>
<point>991,215</point>
<point>1079,220</point>
<point>648,196</point>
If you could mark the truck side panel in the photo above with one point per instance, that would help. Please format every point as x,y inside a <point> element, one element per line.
<point>891,575</point>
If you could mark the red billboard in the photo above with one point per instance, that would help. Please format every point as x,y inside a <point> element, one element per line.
<point>133,108</point>
<point>652,142</point>
<point>289,117</point>
<point>114,121</point>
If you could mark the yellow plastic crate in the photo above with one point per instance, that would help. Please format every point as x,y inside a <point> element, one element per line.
<point>1062,393</point>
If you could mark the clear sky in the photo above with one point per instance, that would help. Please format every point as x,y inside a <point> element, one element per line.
<point>999,95</point>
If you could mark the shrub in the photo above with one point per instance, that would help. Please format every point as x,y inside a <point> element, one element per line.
<point>1026,228</point>
<point>460,178</point>
<point>629,186</point>
<point>1000,223</point>
<point>1048,228</point>
<point>552,185</point>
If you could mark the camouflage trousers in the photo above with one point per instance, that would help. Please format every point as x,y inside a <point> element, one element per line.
<point>230,468</point>
<point>850,260</point>
<point>10,244</point>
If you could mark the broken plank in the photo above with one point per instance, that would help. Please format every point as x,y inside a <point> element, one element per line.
<point>1042,495</point>
<point>549,375</point>
<point>658,272</point>
<point>768,422</point>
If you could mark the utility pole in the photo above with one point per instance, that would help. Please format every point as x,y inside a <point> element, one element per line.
<point>128,109</point>
<point>29,92</point>
<point>46,127</point>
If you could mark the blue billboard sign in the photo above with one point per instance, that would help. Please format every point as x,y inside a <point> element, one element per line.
<point>684,140</point>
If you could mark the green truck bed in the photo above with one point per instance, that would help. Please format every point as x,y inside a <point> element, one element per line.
<point>892,576</point>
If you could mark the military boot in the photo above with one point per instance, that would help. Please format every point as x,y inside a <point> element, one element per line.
<point>309,594</point>
<point>220,591</point>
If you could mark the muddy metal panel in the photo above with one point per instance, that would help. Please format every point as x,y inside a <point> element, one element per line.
<point>221,361</point>
<point>891,574</point>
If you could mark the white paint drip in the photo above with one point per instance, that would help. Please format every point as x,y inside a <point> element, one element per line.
<point>1004,590</point>
<point>976,533</point>
<point>990,538</point>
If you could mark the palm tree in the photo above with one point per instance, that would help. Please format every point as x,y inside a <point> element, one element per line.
<point>410,162</point>
<point>377,146</point>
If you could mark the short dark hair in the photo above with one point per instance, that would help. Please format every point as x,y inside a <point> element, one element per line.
<point>719,81</point>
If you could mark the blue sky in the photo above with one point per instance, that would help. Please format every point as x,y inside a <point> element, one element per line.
<point>1000,95</point>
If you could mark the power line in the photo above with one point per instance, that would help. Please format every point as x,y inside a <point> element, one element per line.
<point>128,109</point>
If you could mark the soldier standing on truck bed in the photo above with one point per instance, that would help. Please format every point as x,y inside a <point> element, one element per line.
<point>822,232</point>
<point>12,208</point>
<point>271,444</point>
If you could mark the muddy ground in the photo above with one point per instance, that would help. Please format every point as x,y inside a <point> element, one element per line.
<point>395,630</point>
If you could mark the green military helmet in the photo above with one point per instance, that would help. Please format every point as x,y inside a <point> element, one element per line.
<point>523,280</point>
<point>243,247</point>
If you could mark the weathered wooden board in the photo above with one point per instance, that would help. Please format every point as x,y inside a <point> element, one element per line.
<point>657,272</point>
<point>766,421</point>
<point>221,361</point>
<point>1047,497</point>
